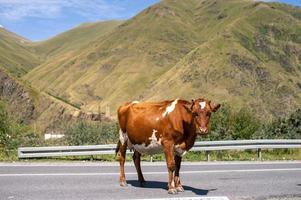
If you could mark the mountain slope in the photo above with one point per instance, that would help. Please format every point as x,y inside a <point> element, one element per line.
<point>242,52</point>
<point>19,55</point>
<point>15,54</point>
<point>152,42</point>
<point>29,106</point>
<point>74,39</point>
<point>254,63</point>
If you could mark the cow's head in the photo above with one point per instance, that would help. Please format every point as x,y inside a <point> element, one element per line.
<point>202,109</point>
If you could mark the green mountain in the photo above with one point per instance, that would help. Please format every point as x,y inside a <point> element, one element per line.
<point>15,54</point>
<point>19,55</point>
<point>253,60</point>
<point>29,106</point>
<point>75,39</point>
<point>242,52</point>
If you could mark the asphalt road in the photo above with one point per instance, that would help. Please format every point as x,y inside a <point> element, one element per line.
<point>214,181</point>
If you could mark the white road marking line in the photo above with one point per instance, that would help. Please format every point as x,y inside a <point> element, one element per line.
<point>191,198</point>
<point>153,173</point>
<point>112,164</point>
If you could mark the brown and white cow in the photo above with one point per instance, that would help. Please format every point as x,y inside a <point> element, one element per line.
<point>169,126</point>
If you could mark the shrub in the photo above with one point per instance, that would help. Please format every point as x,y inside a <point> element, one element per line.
<point>285,128</point>
<point>4,127</point>
<point>227,124</point>
<point>13,134</point>
<point>85,133</point>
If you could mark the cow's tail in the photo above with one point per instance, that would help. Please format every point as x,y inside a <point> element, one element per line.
<point>122,122</point>
<point>122,143</point>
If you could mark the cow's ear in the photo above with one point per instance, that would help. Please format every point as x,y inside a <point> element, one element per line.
<point>215,107</point>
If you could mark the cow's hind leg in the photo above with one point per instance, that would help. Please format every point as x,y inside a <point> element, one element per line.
<point>136,159</point>
<point>122,154</point>
<point>178,184</point>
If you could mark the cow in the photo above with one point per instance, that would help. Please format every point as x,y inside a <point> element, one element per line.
<point>169,127</point>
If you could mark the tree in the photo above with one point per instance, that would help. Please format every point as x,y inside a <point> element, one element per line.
<point>228,124</point>
<point>283,128</point>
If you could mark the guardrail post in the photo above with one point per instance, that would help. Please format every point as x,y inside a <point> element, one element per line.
<point>151,158</point>
<point>19,153</point>
<point>259,154</point>
<point>208,155</point>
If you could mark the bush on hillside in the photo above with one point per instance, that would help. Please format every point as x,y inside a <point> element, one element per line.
<point>13,134</point>
<point>227,124</point>
<point>85,133</point>
<point>284,128</point>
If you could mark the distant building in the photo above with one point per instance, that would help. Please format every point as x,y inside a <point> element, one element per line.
<point>53,135</point>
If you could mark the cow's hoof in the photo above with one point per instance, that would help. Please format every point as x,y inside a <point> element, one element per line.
<point>123,184</point>
<point>180,188</point>
<point>172,191</point>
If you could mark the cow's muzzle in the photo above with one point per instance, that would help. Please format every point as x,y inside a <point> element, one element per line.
<point>202,131</point>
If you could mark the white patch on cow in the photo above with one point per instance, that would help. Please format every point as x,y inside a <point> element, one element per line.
<point>153,138</point>
<point>157,119</point>
<point>154,147</point>
<point>170,108</point>
<point>203,104</point>
<point>134,102</point>
<point>179,151</point>
<point>123,137</point>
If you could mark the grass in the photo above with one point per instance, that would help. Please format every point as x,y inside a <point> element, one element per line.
<point>15,54</point>
<point>64,100</point>
<point>31,106</point>
<point>74,39</point>
<point>233,155</point>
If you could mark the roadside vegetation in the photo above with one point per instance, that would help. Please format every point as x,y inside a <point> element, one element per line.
<point>226,124</point>
<point>13,135</point>
<point>233,155</point>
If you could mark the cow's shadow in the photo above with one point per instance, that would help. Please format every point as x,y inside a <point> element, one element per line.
<point>163,185</point>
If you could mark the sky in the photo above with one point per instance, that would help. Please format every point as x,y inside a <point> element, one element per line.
<point>41,19</point>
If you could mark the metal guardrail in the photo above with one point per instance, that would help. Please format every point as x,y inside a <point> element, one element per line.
<point>207,146</point>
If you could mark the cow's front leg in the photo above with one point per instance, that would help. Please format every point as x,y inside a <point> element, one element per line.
<point>178,184</point>
<point>169,156</point>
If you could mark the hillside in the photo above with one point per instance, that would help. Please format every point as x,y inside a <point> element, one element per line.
<point>75,39</point>
<point>15,54</point>
<point>18,56</point>
<point>29,106</point>
<point>242,52</point>
<point>253,62</point>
